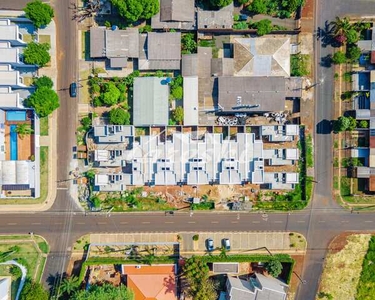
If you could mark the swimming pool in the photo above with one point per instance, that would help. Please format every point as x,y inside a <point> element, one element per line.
<point>13,142</point>
<point>16,115</point>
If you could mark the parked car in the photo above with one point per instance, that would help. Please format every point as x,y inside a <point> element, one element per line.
<point>226,244</point>
<point>210,245</point>
<point>73,90</point>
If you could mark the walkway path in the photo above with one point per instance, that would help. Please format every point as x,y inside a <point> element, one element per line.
<point>23,277</point>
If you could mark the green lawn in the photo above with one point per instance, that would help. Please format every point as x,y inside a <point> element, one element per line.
<point>141,204</point>
<point>366,284</point>
<point>360,198</point>
<point>45,39</point>
<point>44,126</point>
<point>85,45</point>
<point>28,255</point>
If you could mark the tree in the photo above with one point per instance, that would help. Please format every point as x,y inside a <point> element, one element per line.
<point>133,10</point>
<point>178,114</point>
<point>15,271</point>
<point>33,291</point>
<point>39,13</point>
<point>86,122</point>
<point>37,54</point>
<point>23,129</point>
<point>263,27</point>
<point>339,58</point>
<point>119,116</point>
<point>274,267</point>
<point>43,81</point>
<point>111,94</point>
<point>69,285</point>
<point>363,124</point>
<point>104,292</point>
<point>352,36</point>
<point>220,3</point>
<point>341,26</point>
<point>352,124</point>
<point>341,124</point>
<point>95,201</point>
<point>44,101</point>
<point>258,7</point>
<point>353,53</point>
<point>188,44</point>
<point>177,92</point>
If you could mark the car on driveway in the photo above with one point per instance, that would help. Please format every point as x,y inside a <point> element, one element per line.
<point>210,245</point>
<point>226,244</point>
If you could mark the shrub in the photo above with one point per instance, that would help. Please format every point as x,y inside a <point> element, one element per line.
<point>119,116</point>
<point>188,43</point>
<point>274,267</point>
<point>347,76</point>
<point>107,24</point>
<point>263,27</point>
<point>177,92</point>
<point>258,7</point>
<point>339,58</point>
<point>353,53</point>
<point>363,124</point>
<point>241,25</point>
<point>195,237</point>
<point>43,81</point>
<point>178,115</point>
<point>37,54</point>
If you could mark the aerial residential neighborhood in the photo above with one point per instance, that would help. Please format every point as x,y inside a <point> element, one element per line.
<point>187,149</point>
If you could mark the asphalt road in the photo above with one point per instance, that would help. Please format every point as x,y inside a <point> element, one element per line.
<point>64,223</point>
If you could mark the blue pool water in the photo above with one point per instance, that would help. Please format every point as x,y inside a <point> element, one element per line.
<point>16,115</point>
<point>13,143</point>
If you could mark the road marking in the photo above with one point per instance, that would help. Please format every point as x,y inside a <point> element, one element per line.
<point>344,221</point>
<point>145,222</point>
<point>62,188</point>
<point>256,221</point>
<point>168,222</point>
<point>301,221</point>
<point>278,221</point>
<point>320,221</point>
<point>234,222</point>
<point>123,222</point>
<point>214,222</point>
<point>80,223</point>
<point>36,223</point>
<point>368,221</point>
<point>102,223</point>
<point>12,223</point>
<point>191,222</point>
<point>58,223</point>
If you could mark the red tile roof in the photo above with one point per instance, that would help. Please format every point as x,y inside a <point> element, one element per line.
<point>156,282</point>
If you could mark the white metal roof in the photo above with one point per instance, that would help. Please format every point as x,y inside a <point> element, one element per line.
<point>15,172</point>
<point>191,101</point>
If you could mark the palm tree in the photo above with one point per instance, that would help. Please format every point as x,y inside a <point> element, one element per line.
<point>69,285</point>
<point>341,26</point>
<point>23,129</point>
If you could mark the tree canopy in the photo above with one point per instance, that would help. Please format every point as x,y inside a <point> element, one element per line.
<point>133,10</point>
<point>178,114</point>
<point>339,58</point>
<point>39,13</point>
<point>119,116</point>
<point>344,123</point>
<point>258,7</point>
<point>220,3</point>
<point>111,94</point>
<point>33,291</point>
<point>263,27</point>
<point>104,292</point>
<point>274,267</point>
<point>43,81</point>
<point>37,54</point>
<point>353,52</point>
<point>44,101</point>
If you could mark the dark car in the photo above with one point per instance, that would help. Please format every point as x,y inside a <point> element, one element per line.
<point>210,245</point>
<point>73,90</point>
<point>226,244</point>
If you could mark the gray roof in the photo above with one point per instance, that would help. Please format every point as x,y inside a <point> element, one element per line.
<point>189,65</point>
<point>114,43</point>
<point>293,87</point>
<point>190,101</point>
<point>264,56</point>
<point>150,101</point>
<point>222,66</point>
<point>204,61</point>
<point>118,62</point>
<point>160,50</point>
<point>225,267</point>
<point>267,92</point>
<point>258,288</point>
<point>212,19</point>
<point>122,43</point>
<point>97,41</point>
<point>177,10</point>
<point>164,46</point>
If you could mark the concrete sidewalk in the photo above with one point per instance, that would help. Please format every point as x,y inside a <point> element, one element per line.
<point>240,241</point>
